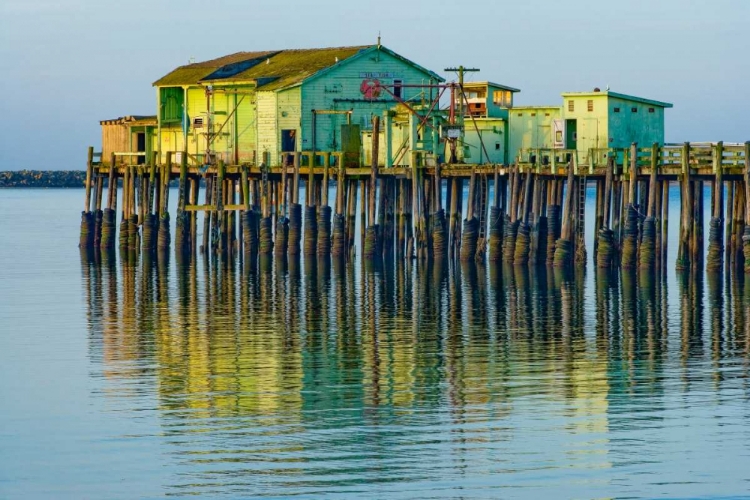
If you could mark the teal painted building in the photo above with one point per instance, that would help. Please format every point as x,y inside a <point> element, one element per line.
<point>487,134</point>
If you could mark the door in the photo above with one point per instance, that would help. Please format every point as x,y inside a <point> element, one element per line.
<point>571,134</point>
<point>141,146</point>
<point>288,144</point>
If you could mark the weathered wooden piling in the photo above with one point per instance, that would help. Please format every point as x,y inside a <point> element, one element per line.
<point>510,224</point>
<point>564,245</point>
<point>715,230</point>
<point>523,234</point>
<point>606,241</point>
<point>686,195</point>
<point>412,210</point>
<point>630,237</point>
<point>439,223</point>
<point>470,231</point>
<point>371,247</point>
<point>647,255</point>
<point>496,219</point>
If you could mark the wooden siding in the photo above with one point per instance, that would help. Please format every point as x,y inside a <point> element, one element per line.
<point>267,126</point>
<point>289,113</point>
<point>531,127</point>
<point>339,89</point>
<point>115,138</point>
<point>245,128</point>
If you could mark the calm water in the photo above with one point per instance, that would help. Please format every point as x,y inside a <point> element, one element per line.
<point>305,379</point>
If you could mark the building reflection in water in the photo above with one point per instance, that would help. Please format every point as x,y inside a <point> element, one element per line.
<point>303,371</point>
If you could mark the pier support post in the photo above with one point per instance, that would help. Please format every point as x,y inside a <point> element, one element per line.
<point>372,243</point>
<point>630,238</point>
<point>686,204</point>
<point>605,247</point>
<point>715,229</point>
<point>647,256</point>
<point>496,220</point>
<point>564,245</point>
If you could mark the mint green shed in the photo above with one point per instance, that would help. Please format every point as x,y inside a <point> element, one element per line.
<point>589,122</point>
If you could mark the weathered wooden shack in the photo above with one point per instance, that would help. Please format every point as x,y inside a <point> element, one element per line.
<point>250,107</point>
<point>129,134</point>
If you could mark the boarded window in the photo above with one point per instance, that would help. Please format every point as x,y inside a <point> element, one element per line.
<point>617,110</point>
<point>571,106</point>
<point>590,105</point>
<point>172,102</point>
<point>634,110</point>
<point>651,110</point>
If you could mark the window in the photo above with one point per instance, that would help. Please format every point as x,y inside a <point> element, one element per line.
<point>634,110</point>
<point>590,105</point>
<point>172,102</point>
<point>497,146</point>
<point>651,110</point>
<point>617,110</point>
<point>533,114</point>
<point>546,114</point>
<point>520,114</point>
<point>571,106</point>
<point>501,98</point>
<point>397,88</point>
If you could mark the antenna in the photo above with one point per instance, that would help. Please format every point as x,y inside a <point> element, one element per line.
<point>378,39</point>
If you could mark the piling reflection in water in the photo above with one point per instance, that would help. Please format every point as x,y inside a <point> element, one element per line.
<point>308,375</point>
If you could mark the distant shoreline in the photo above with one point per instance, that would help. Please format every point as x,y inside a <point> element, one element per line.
<point>43,179</point>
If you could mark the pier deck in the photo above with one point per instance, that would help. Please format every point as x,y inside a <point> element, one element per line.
<point>530,212</point>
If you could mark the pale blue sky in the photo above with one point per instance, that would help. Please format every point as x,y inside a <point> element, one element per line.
<point>68,64</point>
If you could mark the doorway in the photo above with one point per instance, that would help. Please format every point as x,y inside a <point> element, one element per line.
<point>571,134</point>
<point>140,140</point>
<point>288,144</point>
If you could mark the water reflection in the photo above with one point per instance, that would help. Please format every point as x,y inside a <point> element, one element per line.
<point>289,376</point>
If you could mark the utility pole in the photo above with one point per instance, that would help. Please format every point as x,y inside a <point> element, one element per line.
<point>461,71</point>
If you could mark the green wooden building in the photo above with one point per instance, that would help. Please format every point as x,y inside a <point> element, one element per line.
<point>251,107</point>
<point>588,122</point>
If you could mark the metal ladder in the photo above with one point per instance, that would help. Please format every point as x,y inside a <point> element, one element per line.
<point>482,186</point>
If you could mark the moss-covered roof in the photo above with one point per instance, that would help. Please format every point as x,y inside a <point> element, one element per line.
<point>290,67</point>
<point>268,70</point>
<point>191,74</point>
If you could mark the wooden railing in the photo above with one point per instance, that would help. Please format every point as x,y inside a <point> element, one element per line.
<point>674,158</point>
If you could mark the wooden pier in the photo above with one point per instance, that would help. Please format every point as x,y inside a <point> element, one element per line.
<point>529,213</point>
